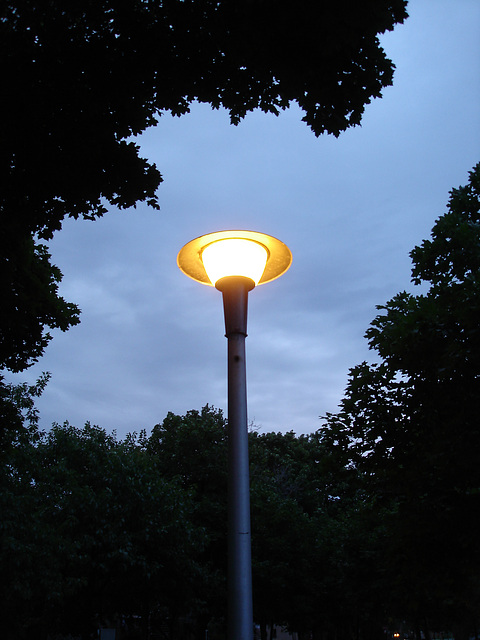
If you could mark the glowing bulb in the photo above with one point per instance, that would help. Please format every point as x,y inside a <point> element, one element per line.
<point>234,257</point>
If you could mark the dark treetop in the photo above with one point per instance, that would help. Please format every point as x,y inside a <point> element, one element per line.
<point>79,79</point>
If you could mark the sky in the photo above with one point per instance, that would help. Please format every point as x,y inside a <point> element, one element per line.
<point>350,209</point>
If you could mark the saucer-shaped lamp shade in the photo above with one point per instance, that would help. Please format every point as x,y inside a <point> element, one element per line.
<point>254,255</point>
<point>234,257</point>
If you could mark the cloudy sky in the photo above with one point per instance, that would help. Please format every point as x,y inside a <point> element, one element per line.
<point>151,340</point>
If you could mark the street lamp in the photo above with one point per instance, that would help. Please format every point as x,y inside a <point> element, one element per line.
<point>235,262</point>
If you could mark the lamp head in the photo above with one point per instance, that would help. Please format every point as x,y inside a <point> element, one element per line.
<point>248,254</point>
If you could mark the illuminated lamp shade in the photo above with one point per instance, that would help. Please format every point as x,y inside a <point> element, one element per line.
<point>264,257</point>
<point>234,257</point>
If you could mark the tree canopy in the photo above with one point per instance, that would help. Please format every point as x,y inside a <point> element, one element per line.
<point>79,80</point>
<point>132,534</point>
<point>409,426</point>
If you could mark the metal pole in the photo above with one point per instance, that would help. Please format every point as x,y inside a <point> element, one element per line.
<point>240,608</point>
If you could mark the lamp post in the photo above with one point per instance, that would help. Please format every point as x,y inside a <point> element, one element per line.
<point>235,262</point>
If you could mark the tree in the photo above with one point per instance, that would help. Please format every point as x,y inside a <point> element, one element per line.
<point>30,300</point>
<point>80,80</point>
<point>95,530</point>
<point>92,534</point>
<point>410,426</point>
<point>192,449</point>
<point>295,517</point>
<point>18,437</point>
<point>289,529</point>
<point>18,414</point>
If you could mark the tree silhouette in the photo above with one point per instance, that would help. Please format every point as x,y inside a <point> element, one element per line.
<point>80,79</point>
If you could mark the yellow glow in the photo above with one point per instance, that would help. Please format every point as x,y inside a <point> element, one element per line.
<point>190,261</point>
<point>234,257</point>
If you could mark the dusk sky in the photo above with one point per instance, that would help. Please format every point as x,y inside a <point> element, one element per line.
<point>351,209</point>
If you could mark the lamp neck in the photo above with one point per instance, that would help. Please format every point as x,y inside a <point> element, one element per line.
<point>235,302</point>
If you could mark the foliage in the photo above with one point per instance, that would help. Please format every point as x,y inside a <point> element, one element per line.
<point>96,530</point>
<point>410,429</point>
<point>91,534</point>
<point>192,449</point>
<point>286,551</point>
<point>79,80</point>
<point>17,408</point>
<point>30,300</point>
<point>436,335</point>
